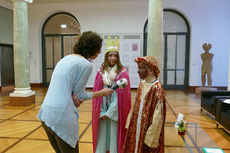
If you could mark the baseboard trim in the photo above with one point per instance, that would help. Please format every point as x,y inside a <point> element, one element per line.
<point>192,88</point>
<point>36,85</point>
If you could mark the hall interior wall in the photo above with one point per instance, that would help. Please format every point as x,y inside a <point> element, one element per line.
<point>209,22</point>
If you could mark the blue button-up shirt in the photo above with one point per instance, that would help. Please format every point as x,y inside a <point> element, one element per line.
<point>58,110</point>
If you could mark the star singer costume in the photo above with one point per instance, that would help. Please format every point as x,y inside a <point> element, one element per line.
<point>109,134</point>
<point>145,132</point>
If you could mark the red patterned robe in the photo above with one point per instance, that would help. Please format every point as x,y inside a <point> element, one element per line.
<point>154,96</point>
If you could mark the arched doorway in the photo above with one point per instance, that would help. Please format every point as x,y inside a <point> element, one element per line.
<point>59,34</point>
<point>176,37</point>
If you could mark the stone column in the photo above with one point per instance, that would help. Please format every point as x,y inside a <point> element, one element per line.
<point>22,95</point>
<point>155,33</point>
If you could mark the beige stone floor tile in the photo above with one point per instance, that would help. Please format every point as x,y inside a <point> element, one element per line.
<point>41,134</point>
<point>220,137</point>
<point>37,141</point>
<point>85,147</point>
<point>39,99</point>
<point>177,98</point>
<point>28,115</point>
<point>202,120</point>
<point>41,91</point>
<point>4,98</point>
<point>38,134</point>
<point>178,150</point>
<point>172,138</point>
<point>86,107</point>
<point>85,117</point>
<point>23,107</point>
<point>37,107</point>
<point>5,143</point>
<point>87,137</point>
<point>82,128</point>
<point>32,146</point>
<point>4,102</point>
<point>186,110</point>
<point>195,136</point>
<point>88,101</point>
<point>182,101</point>
<point>176,95</point>
<point>17,129</point>
<point>226,150</point>
<point>7,113</point>
<point>169,111</point>
<point>200,137</point>
<point>173,92</point>
<point>170,118</point>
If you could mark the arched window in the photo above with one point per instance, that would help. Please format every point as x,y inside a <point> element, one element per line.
<point>176,49</point>
<point>59,35</point>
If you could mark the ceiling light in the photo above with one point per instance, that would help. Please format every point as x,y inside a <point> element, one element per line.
<point>63,26</point>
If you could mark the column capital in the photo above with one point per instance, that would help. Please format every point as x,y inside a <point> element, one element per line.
<point>28,1</point>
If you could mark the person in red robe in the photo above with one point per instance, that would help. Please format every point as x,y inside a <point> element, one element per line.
<point>145,132</point>
<point>109,114</point>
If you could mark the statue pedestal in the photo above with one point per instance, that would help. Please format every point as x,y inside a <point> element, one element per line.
<point>199,89</point>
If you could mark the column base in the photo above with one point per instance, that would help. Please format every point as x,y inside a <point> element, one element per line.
<point>22,101</point>
<point>22,97</point>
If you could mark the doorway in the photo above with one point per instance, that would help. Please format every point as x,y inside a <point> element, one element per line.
<point>176,40</point>
<point>6,65</point>
<point>175,66</point>
<point>59,35</point>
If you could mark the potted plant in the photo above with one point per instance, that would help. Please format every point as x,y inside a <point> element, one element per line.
<point>181,128</point>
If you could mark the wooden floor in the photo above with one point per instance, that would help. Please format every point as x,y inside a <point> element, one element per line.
<point>21,131</point>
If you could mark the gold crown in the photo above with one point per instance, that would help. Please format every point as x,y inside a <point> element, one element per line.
<point>112,45</point>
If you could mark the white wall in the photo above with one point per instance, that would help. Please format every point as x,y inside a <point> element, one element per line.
<point>7,4</point>
<point>209,22</point>
<point>229,73</point>
<point>6,26</point>
<point>102,17</point>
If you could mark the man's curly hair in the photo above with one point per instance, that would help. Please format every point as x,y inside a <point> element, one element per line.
<point>88,44</point>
